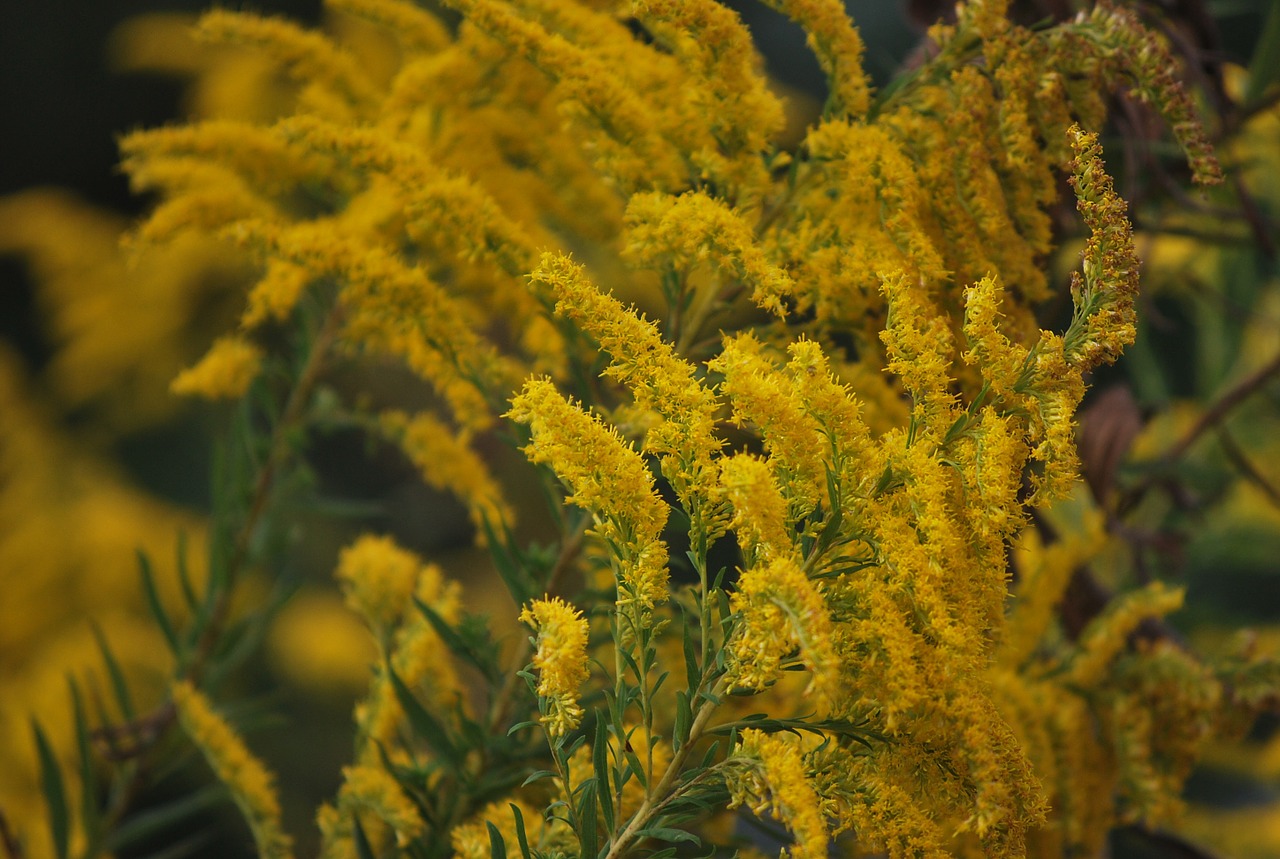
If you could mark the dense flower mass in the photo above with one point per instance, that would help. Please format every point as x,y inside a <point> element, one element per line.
<point>812,523</point>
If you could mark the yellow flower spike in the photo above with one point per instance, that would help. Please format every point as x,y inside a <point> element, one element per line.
<point>248,781</point>
<point>681,231</point>
<point>660,380</point>
<point>378,579</point>
<point>373,790</point>
<point>605,476</point>
<point>837,44</point>
<point>440,208</point>
<point>307,56</point>
<point>276,295</point>
<point>627,143</point>
<point>781,610</point>
<point>1046,572</point>
<point>1148,70</point>
<point>449,463</point>
<point>1000,360</point>
<point>726,86</point>
<point>470,840</point>
<point>415,657</point>
<point>1106,293</point>
<point>1108,634</point>
<point>396,309</point>
<point>267,163</point>
<point>336,837</point>
<point>202,197</point>
<point>764,396</point>
<point>919,343</point>
<point>759,511</point>
<point>837,411</point>
<point>560,658</point>
<point>776,781</point>
<point>414,27</point>
<point>226,372</point>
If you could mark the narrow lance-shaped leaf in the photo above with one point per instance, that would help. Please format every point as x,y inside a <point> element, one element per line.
<point>55,796</point>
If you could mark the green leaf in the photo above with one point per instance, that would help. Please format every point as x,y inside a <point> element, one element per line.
<point>691,670</point>
<point>636,766</point>
<point>588,838</point>
<point>521,836</point>
<point>458,645</point>
<point>118,685</point>
<point>84,750</point>
<point>424,724</point>
<point>600,758</point>
<point>364,850</point>
<point>184,573</point>
<point>148,824</point>
<point>517,579</point>
<point>684,721</point>
<point>497,847</point>
<point>671,835</point>
<point>55,796</point>
<point>1264,67</point>
<point>188,846</point>
<point>153,602</point>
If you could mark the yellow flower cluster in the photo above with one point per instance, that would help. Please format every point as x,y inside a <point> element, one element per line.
<point>776,781</point>
<point>561,660</point>
<point>660,380</point>
<point>379,579</point>
<point>225,373</point>
<point>780,611</point>
<point>866,428</point>
<point>249,782</point>
<point>607,477</point>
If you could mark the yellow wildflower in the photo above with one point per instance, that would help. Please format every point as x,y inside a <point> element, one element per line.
<point>776,781</point>
<point>448,462</point>
<point>378,578</point>
<point>225,372</point>
<point>244,775</point>
<point>659,379</point>
<point>276,294</point>
<point>779,611</point>
<point>759,511</point>
<point>470,840</point>
<point>605,476</point>
<point>836,43</point>
<point>763,396</point>
<point>309,57</point>
<point>414,27</point>
<point>919,344</point>
<point>561,660</point>
<point>1108,634</point>
<point>1104,296</point>
<point>681,231</point>
<point>373,790</point>
<point>725,85</point>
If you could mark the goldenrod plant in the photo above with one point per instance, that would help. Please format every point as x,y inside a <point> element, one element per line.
<point>796,554</point>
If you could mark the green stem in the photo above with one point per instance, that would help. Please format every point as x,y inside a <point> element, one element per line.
<point>658,796</point>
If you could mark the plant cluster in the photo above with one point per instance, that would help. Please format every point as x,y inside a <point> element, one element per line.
<point>812,523</point>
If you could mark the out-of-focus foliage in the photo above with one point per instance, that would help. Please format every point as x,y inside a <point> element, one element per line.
<point>811,543</point>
